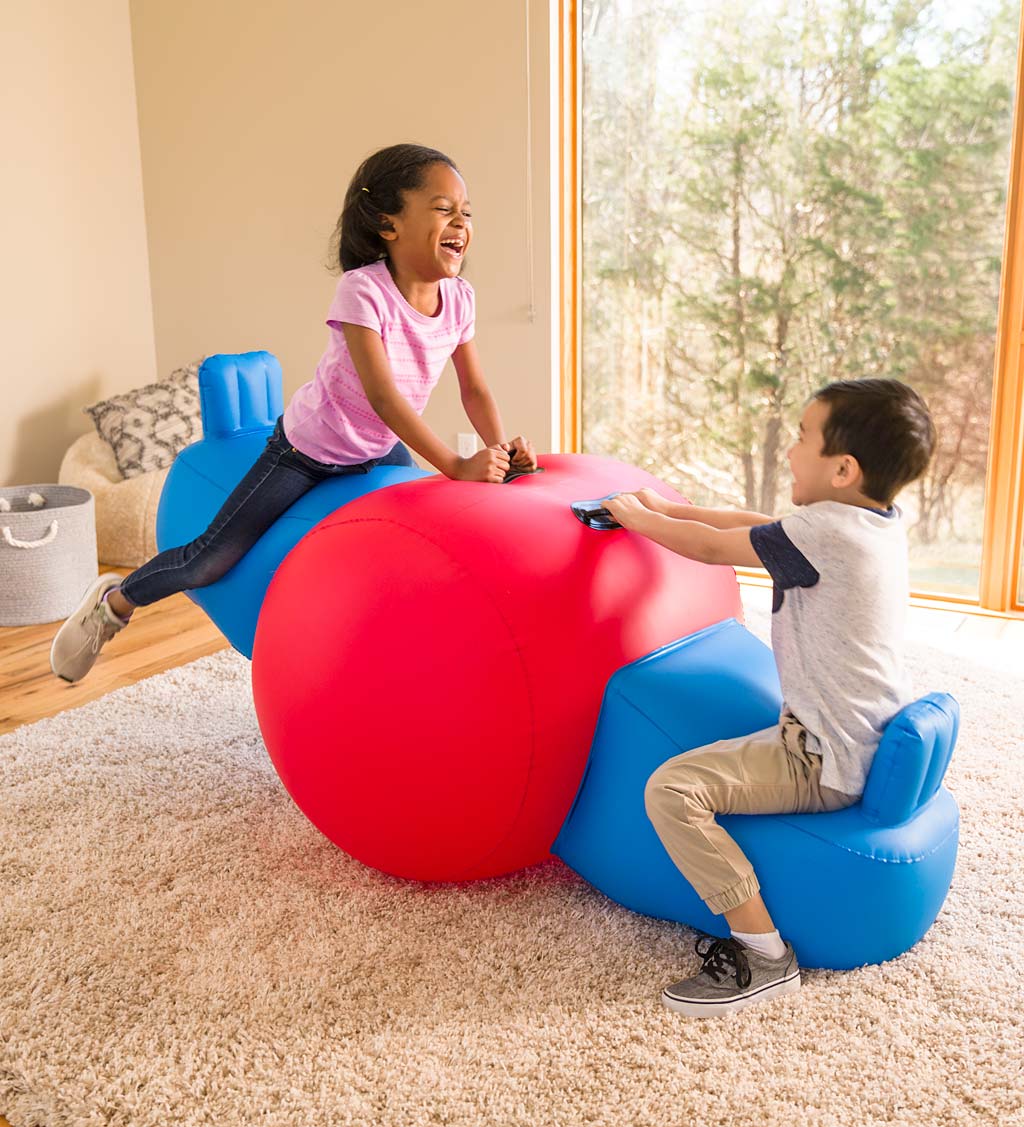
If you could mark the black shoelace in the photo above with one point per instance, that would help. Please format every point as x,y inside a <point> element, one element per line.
<point>724,958</point>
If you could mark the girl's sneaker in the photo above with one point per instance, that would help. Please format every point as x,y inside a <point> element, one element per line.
<point>91,625</point>
<point>732,976</point>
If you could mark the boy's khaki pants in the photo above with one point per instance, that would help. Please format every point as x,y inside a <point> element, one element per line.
<point>768,772</point>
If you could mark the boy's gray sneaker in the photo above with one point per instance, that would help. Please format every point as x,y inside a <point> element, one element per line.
<point>92,624</point>
<point>732,976</point>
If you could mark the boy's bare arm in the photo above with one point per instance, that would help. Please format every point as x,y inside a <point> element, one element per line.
<point>717,518</point>
<point>690,538</point>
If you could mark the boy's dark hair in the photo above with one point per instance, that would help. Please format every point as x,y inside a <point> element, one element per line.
<point>376,190</point>
<point>885,425</point>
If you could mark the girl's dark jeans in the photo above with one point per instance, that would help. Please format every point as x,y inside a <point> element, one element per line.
<point>278,478</point>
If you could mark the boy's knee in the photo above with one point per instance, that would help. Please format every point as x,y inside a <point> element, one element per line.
<point>652,793</point>
<point>654,799</point>
<point>669,795</point>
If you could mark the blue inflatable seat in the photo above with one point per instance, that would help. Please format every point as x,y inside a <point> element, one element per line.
<point>857,886</point>
<point>240,399</point>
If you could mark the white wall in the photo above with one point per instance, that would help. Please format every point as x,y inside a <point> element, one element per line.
<point>253,119</point>
<point>75,305</point>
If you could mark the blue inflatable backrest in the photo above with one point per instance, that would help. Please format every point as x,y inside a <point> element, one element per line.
<point>239,393</point>
<point>911,760</point>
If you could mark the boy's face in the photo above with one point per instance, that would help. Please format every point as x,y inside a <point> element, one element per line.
<point>814,474</point>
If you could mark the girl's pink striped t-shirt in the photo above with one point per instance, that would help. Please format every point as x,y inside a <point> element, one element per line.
<point>330,418</point>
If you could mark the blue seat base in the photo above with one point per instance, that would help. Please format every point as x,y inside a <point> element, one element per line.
<point>200,481</point>
<point>844,890</point>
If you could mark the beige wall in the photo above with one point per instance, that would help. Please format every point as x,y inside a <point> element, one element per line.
<point>74,281</point>
<point>253,118</point>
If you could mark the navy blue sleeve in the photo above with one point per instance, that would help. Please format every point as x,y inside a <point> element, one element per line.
<point>783,560</point>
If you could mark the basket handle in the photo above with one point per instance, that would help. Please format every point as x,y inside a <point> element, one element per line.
<point>46,538</point>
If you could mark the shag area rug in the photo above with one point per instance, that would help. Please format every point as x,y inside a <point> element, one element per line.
<point>178,945</point>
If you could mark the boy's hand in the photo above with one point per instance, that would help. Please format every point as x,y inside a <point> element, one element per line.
<point>650,499</point>
<point>490,464</point>
<point>628,510</point>
<point>526,457</point>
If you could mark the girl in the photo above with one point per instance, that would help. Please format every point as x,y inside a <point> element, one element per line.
<point>399,312</point>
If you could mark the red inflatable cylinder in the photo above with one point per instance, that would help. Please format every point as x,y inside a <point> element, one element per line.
<point>430,661</point>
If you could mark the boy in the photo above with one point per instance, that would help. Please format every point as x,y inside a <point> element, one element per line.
<point>839,566</point>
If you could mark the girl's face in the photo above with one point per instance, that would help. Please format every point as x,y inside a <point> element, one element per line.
<point>431,234</point>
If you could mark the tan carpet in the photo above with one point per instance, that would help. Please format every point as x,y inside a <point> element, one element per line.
<point>179,946</point>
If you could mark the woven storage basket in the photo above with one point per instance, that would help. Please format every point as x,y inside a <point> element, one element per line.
<point>47,552</point>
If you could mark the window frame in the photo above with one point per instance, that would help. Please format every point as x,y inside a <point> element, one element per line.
<point>1001,582</point>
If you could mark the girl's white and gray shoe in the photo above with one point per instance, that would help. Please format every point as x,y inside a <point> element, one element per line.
<point>92,624</point>
<point>731,977</point>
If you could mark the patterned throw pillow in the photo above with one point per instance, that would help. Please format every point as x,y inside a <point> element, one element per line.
<point>147,427</point>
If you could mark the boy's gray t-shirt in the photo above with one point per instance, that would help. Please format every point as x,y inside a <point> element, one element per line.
<point>838,615</point>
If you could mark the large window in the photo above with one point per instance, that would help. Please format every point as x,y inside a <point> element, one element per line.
<point>777,195</point>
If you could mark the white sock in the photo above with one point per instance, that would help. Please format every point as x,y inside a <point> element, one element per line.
<point>767,943</point>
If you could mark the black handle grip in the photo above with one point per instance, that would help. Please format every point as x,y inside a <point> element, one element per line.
<point>594,515</point>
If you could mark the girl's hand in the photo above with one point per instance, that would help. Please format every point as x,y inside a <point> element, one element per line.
<point>490,464</point>
<point>526,457</point>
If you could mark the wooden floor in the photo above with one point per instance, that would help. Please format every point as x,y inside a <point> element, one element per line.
<point>170,633</point>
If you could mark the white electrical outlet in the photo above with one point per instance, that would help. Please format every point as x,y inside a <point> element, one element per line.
<point>466,445</point>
